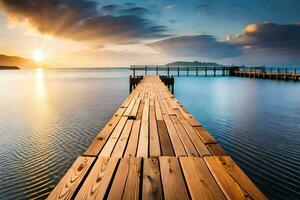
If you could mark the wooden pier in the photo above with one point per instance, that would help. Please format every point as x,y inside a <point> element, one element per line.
<point>269,73</point>
<point>241,71</point>
<point>153,148</point>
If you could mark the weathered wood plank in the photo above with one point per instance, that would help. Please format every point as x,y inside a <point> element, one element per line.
<point>132,187</point>
<point>133,140</point>
<point>172,179</point>
<point>216,150</point>
<point>231,179</point>
<point>122,142</point>
<point>152,188</point>
<point>97,145</point>
<point>67,186</point>
<point>110,144</point>
<point>142,150</point>
<point>176,141</point>
<point>165,142</point>
<point>188,145</point>
<point>198,143</point>
<point>154,145</point>
<point>135,109</point>
<point>97,183</point>
<point>126,184</point>
<point>204,135</point>
<point>200,181</point>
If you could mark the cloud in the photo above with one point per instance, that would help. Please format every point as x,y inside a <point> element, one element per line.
<point>202,46</point>
<point>82,20</point>
<point>270,35</point>
<point>110,9</point>
<point>135,11</point>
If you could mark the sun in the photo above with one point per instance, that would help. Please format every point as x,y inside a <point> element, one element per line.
<point>38,56</point>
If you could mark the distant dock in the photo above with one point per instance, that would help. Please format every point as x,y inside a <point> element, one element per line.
<point>241,71</point>
<point>153,148</point>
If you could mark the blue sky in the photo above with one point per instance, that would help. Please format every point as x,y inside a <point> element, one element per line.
<point>119,33</point>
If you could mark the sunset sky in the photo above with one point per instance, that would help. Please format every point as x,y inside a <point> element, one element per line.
<point>82,33</point>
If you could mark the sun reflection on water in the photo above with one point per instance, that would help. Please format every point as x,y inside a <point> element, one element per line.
<point>40,84</point>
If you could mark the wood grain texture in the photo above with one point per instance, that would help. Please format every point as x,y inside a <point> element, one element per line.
<point>97,145</point>
<point>200,181</point>
<point>97,183</point>
<point>133,140</point>
<point>231,179</point>
<point>110,144</point>
<point>67,186</point>
<point>204,135</point>
<point>172,179</point>
<point>142,150</point>
<point>186,141</point>
<point>165,142</point>
<point>216,150</point>
<point>126,183</point>
<point>152,188</point>
<point>154,145</point>
<point>122,142</point>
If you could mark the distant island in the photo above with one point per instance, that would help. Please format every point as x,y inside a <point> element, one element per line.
<point>192,64</point>
<point>12,61</point>
<point>2,67</point>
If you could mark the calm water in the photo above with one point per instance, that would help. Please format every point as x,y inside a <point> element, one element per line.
<point>48,118</point>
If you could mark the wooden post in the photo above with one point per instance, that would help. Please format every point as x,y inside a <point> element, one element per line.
<point>177,71</point>
<point>205,71</point>
<point>168,69</point>
<point>187,71</point>
<point>130,86</point>
<point>286,74</point>
<point>223,71</point>
<point>214,71</point>
<point>156,70</point>
<point>133,71</point>
<point>196,71</point>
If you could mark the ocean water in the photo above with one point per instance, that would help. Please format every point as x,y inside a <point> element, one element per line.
<point>49,117</point>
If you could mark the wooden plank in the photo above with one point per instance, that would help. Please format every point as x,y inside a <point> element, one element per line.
<point>176,141</point>
<point>172,179</point>
<point>132,187</point>
<point>133,140</point>
<point>135,109</point>
<point>102,137</point>
<point>142,150</point>
<point>158,110</point>
<point>165,142</point>
<point>109,146</point>
<point>130,107</point>
<point>216,150</point>
<point>154,146</point>
<point>188,145</point>
<point>200,181</point>
<point>152,188</point>
<point>127,179</point>
<point>97,183</point>
<point>204,135</point>
<point>199,145</point>
<point>231,179</point>
<point>121,144</point>
<point>67,186</point>
<point>140,110</point>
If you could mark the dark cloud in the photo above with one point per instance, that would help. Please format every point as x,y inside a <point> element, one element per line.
<point>203,46</point>
<point>135,11</point>
<point>110,9</point>
<point>270,35</point>
<point>83,20</point>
